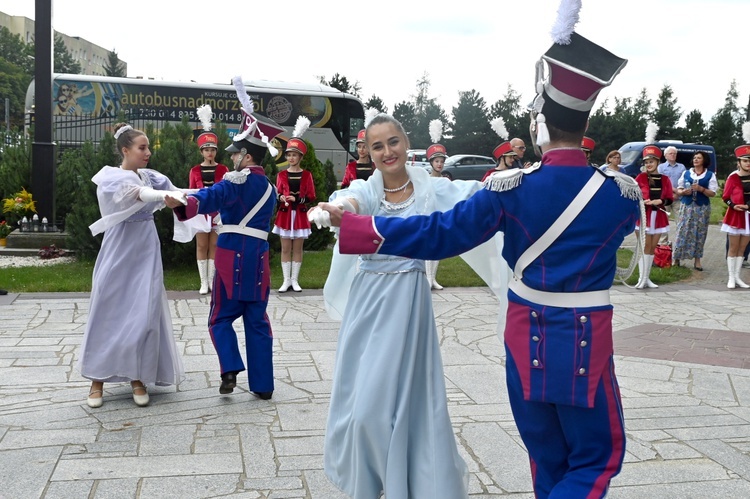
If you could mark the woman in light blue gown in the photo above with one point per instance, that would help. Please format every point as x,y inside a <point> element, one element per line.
<point>388,428</point>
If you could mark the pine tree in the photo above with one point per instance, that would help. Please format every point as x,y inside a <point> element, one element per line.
<point>76,194</point>
<point>63,61</point>
<point>174,152</point>
<point>114,66</point>
<point>325,184</point>
<point>472,133</point>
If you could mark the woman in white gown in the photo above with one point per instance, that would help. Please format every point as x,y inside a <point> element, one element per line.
<point>128,336</point>
<point>388,428</point>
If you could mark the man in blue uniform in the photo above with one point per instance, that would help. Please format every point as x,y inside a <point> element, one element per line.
<point>563,222</point>
<point>245,200</point>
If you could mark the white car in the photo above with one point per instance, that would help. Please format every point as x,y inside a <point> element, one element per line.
<point>417,157</point>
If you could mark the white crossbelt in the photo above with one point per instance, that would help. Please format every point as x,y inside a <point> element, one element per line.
<point>242,227</point>
<point>559,299</point>
<point>563,300</point>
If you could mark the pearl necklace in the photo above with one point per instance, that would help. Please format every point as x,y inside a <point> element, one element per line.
<point>398,188</point>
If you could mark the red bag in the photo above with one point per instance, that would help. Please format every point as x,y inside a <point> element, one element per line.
<point>663,256</point>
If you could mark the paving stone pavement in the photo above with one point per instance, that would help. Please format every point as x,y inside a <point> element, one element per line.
<point>681,357</point>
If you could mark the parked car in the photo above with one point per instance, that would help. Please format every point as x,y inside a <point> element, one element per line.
<point>467,166</point>
<point>417,157</point>
<point>632,155</point>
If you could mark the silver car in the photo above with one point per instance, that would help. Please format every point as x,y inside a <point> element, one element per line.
<point>467,166</point>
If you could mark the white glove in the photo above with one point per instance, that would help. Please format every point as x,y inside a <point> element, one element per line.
<point>321,218</point>
<point>149,195</point>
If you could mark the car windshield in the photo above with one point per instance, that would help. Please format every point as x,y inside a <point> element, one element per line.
<point>629,156</point>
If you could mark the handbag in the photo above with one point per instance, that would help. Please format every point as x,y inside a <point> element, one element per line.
<point>663,256</point>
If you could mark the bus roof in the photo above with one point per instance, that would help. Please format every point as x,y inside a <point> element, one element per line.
<point>260,85</point>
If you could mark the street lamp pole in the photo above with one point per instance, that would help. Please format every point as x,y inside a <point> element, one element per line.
<point>43,157</point>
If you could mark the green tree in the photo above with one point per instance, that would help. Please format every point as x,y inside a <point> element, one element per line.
<point>377,103</point>
<point>695,128</point>
<point>515,116</point>
<point>472,133</point>
<point>76,193</point>
<point>724,131</point>
<point>63,61</point>
<point>407,115</point>
<point>341,83</point>
<point>667,114</point>
<point>16,52</point>
<point>114,66</point>
<point>425,109</point>
<point>15,166</point>
<point>174,153</point>
<point>325,184</point>
<point>13,85</point>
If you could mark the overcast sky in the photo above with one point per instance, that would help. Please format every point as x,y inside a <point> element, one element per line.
<point>696,47</point>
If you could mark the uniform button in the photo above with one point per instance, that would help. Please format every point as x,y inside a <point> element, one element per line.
<point>582,370</point>
<point>375,241</point>
<point>584,343</point>
<point>535,338</point>
<point>236,270</point>
<point>535,362</point>
<point>584,319</point>
<point>238,255</point>
<point>534,314</point>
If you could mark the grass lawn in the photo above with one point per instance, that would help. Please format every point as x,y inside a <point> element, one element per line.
<point>76,276</point>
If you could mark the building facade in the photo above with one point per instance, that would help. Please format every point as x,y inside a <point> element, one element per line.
<point>91,57</point>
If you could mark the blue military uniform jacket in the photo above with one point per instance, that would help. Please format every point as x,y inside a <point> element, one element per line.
<point>241,261</point>
<point>559,351</point>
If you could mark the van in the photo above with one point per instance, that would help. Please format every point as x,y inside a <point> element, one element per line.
<point>417,157</point>
<point>632,155</point>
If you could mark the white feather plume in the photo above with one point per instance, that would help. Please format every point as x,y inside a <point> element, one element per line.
<point>436,131</point>
<point>370,114</point>
<point>303,123</point>
<point>746,132</point>
<point>651,130</point>
<point>245,100</point>
<point>567,18</point>
<point>498,126</point>
<point>204,115</point>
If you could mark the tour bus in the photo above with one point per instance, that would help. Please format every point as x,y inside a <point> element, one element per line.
<point>87,106</point>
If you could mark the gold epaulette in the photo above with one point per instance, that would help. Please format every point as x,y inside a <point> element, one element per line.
<point>508,179</point>
<point>235,177</point>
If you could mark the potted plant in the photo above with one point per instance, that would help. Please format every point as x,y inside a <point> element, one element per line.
<point>20,205</point>
<point>5,229</point>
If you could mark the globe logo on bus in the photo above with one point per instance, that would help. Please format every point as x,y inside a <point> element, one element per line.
<point>279,109</point>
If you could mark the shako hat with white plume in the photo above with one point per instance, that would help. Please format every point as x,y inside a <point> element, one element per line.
<point>207,138</point>
<point>505,148</point>
<point>578,70</point>
<point>436,150</point>
<point>254,129</point>
<point>296,143</point>
<point>651,150</point>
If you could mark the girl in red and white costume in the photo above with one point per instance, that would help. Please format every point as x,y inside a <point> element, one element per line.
<point>657,193</point>
<point>737,219</point>
<point>436,155</point>
<point>206,174</point>
<point>296,193</point>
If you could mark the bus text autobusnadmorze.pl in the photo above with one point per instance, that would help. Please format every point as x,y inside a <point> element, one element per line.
<point>87,106</point>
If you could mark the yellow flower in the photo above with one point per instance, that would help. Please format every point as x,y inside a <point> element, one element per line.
<point>20,204</point>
